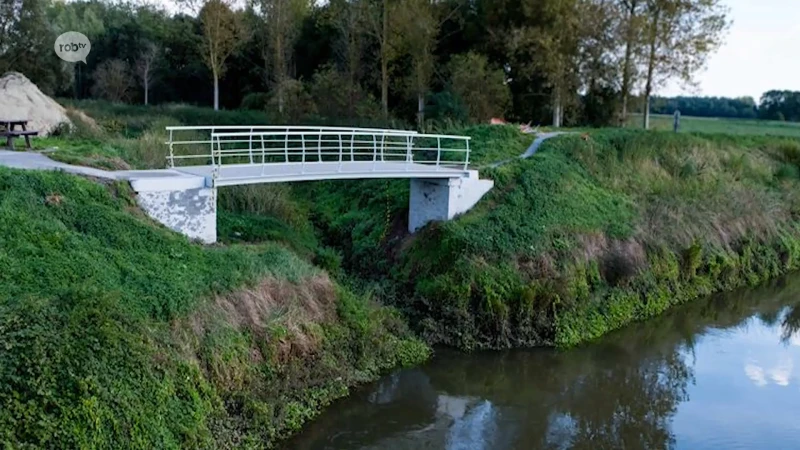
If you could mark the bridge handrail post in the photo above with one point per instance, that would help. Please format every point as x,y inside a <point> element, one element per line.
<point>466,159</point>
<point>250,146</point>
<point>374,151</point>
<point>319,146</point>
<point>410,146</point>
<point>383,147</point>
<point>212,146</point>
<point>215,166</point>
<point>438,152</point>
<point>303,143</point>
<point>340,152</point>
<point>352,147</point>
<point>171,152</point>
<point>263,155</point>
<point>286,147</point>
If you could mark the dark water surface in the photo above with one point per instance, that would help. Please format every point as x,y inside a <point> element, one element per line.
<point>715,374</point>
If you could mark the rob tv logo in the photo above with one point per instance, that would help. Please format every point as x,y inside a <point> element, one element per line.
<point>72,47</point>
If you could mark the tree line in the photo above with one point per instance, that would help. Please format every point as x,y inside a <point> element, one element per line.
<point>735,108</point>
<point>773,105</point>
<point>541,61</point>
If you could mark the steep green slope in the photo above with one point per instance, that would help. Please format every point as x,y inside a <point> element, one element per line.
<point>117,333</point>
<point>595,231</point>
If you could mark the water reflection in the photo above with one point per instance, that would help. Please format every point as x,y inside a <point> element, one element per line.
<point>716,373</point>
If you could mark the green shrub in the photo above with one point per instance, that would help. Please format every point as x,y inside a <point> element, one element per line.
<point>255,101</point>
<point>787,172</point>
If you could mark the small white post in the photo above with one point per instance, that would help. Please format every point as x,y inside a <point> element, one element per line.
<point>286,147</point>
<point>383,146</point>
<point>216,165</point>
<point>263,155</point>
<point>212,146</point>
<point>250,146</point>
<point>303,143</point>
<point>438,152</point>
<point>409,156</point>
<point>340,151</point>
<point>171,152</point>
<point>466,161</point>
<point>374,151</point>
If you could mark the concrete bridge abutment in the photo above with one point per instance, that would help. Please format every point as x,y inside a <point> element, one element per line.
<point>440,199</point>
<point>184,205</point>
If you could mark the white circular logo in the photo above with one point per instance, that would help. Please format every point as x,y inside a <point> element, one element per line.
<point>72,46</point>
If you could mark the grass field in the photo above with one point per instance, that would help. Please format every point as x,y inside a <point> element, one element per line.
<point>720,125</point>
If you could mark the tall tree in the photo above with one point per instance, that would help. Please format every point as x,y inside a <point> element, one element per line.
<point>77,16</point>
<point>481,89</point>
<point>346,17</point>
<point>145,66</point>
<point>378,18</point>
<point>599,61</point>
<point>599,41</point>
<point>221,33</point>
<point>631,23</point>
<point>680,36</point>
<point>552,35</point>
<point>113,81</point>
<point>282,21</point>
<point>417,30</point>
<point>26,42</point>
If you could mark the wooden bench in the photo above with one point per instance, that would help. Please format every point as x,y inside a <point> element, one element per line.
<point>7,130</point>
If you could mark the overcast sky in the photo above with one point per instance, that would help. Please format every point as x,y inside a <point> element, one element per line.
<point>761,52</point>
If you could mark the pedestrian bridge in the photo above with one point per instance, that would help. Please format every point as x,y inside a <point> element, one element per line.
<point>245,155</point>
<point>203,159</point>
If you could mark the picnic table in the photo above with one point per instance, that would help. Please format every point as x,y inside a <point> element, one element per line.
<point>7,129</point>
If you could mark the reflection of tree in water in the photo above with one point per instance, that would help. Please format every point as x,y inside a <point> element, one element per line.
<point>620,392</point>
<point>611,395</point>
<point>637,395</point>
<point>625,407</point>
<point>791,323</point>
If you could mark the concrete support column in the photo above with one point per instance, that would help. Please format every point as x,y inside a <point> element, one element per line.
<point>443,199</point>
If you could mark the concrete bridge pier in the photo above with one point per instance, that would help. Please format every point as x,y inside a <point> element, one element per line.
<point>438,199</point>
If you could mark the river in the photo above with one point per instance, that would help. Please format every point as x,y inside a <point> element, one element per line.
<point>716,373</point>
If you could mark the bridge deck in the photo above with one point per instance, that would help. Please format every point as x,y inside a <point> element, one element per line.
<point>238,174</point>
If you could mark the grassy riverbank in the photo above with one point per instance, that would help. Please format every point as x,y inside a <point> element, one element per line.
<point>594,232</point>
<point>115,332</point>
<point>597,230</point>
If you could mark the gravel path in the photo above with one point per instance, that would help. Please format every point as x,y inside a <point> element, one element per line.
<point>533,148</point>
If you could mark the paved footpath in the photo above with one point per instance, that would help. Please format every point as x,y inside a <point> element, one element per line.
<point>141,180</point>
<point>533,148</point>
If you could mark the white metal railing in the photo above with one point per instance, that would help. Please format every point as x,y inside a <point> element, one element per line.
<point>194,136</point>
<point>309,145</point>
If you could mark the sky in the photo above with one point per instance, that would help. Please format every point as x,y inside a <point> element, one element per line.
<point>761,52</point>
